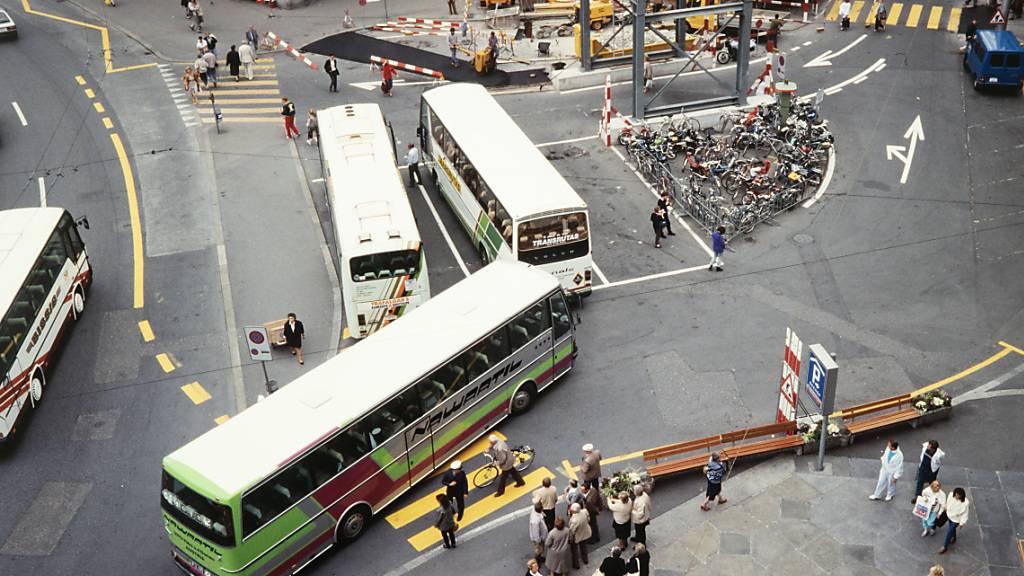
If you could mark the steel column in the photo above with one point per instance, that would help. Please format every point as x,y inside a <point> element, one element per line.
<point>639,34</point>
<point>743,51</point>
<point>586,58</point>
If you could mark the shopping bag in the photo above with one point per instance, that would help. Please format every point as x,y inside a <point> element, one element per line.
<point>923,507</point>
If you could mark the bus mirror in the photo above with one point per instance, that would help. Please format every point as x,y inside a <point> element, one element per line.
<point>83,221</point>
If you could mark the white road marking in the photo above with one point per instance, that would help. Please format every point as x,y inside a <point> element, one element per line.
<point>651,277</point>
<point>691,73</point>
<point>826,180</point>
<point>825,59</point>
<point>21,116</point>
<point>42,192</point>
<point>444,232</point>
<point>985,390</point>
<point>878,65</point>
<point>569,141</point>
<point>600,274</point>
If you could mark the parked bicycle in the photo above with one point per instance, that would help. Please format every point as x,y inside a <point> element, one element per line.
<point>488,474</point>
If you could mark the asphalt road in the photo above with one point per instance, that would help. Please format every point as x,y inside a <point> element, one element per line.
<point>907,283</point>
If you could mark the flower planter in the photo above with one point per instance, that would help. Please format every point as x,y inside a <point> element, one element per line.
<point>935,415</point>
<point>833,441</point>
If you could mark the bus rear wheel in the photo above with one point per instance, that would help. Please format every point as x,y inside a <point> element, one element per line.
<point>78,302</point>
<point>353,524</point>
<point>36,384</point>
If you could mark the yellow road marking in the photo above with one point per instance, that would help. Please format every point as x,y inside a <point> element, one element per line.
<point>99,107</point>
<point>196,393</point>
<point>855,11</point>
<point>422,506</point>
<point>833,14</point>
<point>934,17</point>
<point>894,14</point>
<point>147,331</point>
<point>954,19</point>
<point>239,110</point>
<point>1011,347</point>
<point>606,461</point>
<point>236,101</point>
<point>967,372</point>
<point>243,85</point>
<point>913,16</point>
<point>871,15</point>
<point>107,123</point>
<point>243,119</point>
<point>478,447</point>
<point>165,362</point>
<point>222,419</point>
<point>264,60</point>
<point>80,80</point>
<point>90,93</point>
<point>481,509</point>
<point>219,92</point>
<point>136,224</point>
<point>345,334</point>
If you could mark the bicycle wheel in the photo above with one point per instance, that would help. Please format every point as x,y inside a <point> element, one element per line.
<point>524,457</point>
<point>485,476</point>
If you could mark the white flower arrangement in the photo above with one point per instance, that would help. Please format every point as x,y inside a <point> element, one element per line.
<point>833,429</point>
<point>937,401</point>
<point>920,405</point>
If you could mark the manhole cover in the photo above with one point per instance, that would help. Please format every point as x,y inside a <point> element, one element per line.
<point>803,238</point>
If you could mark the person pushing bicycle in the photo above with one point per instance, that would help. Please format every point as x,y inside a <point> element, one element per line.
<point>505,461</point>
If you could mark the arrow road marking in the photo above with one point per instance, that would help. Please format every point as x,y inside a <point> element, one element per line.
<point>906,153</point>
<point>825,59</point>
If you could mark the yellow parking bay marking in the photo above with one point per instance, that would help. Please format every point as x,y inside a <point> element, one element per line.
<point>833,14</point>
<point>913,16</point>
<point>80,80</point>
<point>90,93</point>
<point>954,20</point>
<point>147,331</point>
<point>894,14</point>
<point>165,362</point>
<point>221,419</point>
<point>855,11</point>
<point>107,123</point>
<point>481,509</point>
<point>934,17</point>
<point>196,393</point>
<point>99,107</point>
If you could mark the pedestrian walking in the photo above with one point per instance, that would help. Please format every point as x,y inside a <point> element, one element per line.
<point>774,30</point>
<point>234,61</point>
<point>412,160</point>
<point>387,74</point>
<point>312,128</point>
<point>288,111</point>
<point>456,486</point>
<point>594,505</point>
<point>928,467</point>
<point>971,31</point>
<point>844,15</point>
<point>590,466</point>
<point>252,38</point>
<point>197,21</point>
<point>538,531</point>
<point>532,568</point>
<point>187,5</point>
<point>453,46</point>
<point>201,45</point>
<point>579,534</point>
<point>557,543</point>
<point>714,471</point>
<point>936,502</point>
<point>445,521</point>
<point>200,67</point>
<point>211,67</point>
<point>505,461</point>
<point>648,75</point>
<point>451,7</point>
<point>640,562</point>
<point>613,565</point>
<point>957,507</point>
<point>641,514</point>
<point>890,472</point>
<point>294,334</point>
<point>548,497</point>
<point>658,223</point>
<point>622,512</point>
<point>331,67</point>
<point>247,57</point>
<point>211,43</point>
<point>880,15</point>
<point>188,81</point>
<point>665,203</point>
<point>717,247</point>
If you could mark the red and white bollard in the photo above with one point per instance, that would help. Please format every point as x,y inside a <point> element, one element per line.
<point>807,5</point>
<point>605,129</point>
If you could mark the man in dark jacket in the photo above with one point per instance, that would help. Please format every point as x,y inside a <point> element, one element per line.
<point>331,67</point>
<point>717,247</point>
<point>594,504</point>
<point>456,486</point>
<point>234,62</point>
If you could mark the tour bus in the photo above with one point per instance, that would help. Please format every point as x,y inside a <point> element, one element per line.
<point>44,277</point>
<point>281,482</point>
<point>381,261</point>
<point>509,198</point>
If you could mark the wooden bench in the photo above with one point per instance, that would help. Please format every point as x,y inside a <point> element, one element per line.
<point>904,412</point>
<point>697,461</point>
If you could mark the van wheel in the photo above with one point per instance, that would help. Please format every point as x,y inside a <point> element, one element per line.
<point>353,524</point>
<point>78,302</point>
<point>522,400</point>
<point>36,384</point>
<point>977,85</point>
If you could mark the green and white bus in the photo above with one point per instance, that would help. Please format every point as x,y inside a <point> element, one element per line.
<point>280,483</point>
<point>507,195</point>
<point>381,261</point>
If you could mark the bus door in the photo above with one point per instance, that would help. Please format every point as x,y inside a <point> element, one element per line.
<point>419,449</point>
<point>397,446</point>
<point>562,332</point>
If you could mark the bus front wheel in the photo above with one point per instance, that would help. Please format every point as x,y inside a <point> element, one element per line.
<point>78,302</point>
<point>522,399</point>
<point>353,524</point>
<point>35,385</point>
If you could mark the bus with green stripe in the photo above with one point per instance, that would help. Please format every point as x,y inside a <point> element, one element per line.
<point>308,467</point>
<point>509,198</point>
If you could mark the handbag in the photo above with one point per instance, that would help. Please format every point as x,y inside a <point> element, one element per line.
<point>923,507</point>
<point>941,520</point>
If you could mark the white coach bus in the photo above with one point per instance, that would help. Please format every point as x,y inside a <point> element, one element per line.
<point>508,196</point>
<point>44,277</point>
<point>382,265</point>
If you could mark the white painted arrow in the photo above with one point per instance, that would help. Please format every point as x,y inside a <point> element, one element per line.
<point>825,59</point>
<point>906,153</point>
<point>374,84</point>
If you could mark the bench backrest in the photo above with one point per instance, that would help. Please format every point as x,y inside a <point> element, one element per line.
<point>876,406</point>
<point>706,443</point>
<point>759,431</point>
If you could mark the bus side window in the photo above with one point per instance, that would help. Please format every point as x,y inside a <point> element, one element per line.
<point>535,320</point>
<point>476,361</point>
<point>498,345</point>
<point>560,315</point>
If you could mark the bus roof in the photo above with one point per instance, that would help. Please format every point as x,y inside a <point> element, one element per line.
<point>367,193</point>
<point>999,40</point>
<point>523,180</point>
<point>23,234</point>
<point>239,453</point>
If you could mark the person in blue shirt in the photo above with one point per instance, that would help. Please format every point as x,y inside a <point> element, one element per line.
<point>717,247</point>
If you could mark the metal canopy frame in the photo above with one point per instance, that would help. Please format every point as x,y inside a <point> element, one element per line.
<point>743,9</point>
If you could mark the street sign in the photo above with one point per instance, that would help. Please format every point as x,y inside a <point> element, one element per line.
<point>815,379</point>
<point>997,18</point>
<point>789,383</point>
<point>258,342</point>
<point>822,373</point>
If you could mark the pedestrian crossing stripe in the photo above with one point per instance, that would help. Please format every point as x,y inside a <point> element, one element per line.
<point>933,20</point>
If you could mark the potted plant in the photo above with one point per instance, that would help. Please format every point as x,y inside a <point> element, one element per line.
<point>624,480</point>
<point>934,405</point>
<point>838,434</point>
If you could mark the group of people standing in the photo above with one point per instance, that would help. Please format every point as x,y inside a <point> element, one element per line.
<point>203,73</point>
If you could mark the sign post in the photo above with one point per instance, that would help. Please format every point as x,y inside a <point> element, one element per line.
<point>822,372</point>
<point>258,342</point>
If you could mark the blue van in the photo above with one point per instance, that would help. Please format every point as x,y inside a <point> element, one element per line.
<point>995,58</point>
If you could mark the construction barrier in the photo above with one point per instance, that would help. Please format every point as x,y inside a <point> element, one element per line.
<point>407,20</point>
<point>292,50</point>
<point>378,61</point>
<point>605,129</point>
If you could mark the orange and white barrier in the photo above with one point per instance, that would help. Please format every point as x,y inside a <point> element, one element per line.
<point>378,61</point>
<point>292,50</point>
<point>605,128</point>
<point>763,84</point>
<point>409,21</point>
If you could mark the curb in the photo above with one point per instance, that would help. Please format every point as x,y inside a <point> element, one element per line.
<point>110,25</point>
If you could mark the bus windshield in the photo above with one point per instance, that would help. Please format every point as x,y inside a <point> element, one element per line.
<point>384,265</point>
<point>199,514</point>
<point>553,238</point>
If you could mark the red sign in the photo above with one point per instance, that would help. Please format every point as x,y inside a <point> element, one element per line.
<point>789,383</point>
